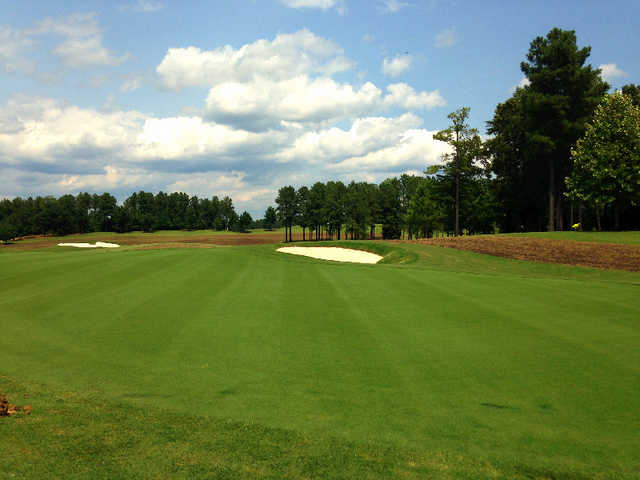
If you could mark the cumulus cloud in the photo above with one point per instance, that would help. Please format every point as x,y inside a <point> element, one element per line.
<point>286,56</point>
<point>264,104</point>
<point>446,39</point>
<point>391,6</point>
<point>402,95</point>
<point>285,82</point>
<point>270,106</point>
<point>50,147</point>
<point>335,144</point>
<point>397,65</point>
<point>321,4</point>
<point>610,71</point>
<point>82,45</point>
<point>414,148</point>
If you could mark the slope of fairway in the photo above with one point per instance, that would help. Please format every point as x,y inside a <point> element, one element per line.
<point>631,237</point>
<point>503,373</point>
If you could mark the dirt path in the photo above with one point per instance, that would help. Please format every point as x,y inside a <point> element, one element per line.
<point>162,241</point>
<point>586,254</point>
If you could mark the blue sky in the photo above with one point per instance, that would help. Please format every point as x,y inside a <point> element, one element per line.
<point>241,97</point>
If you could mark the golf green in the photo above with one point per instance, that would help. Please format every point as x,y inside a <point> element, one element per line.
<point>526,375</point>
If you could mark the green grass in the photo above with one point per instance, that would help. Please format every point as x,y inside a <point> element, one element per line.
<point>632,237</point>
<point>241,362</point>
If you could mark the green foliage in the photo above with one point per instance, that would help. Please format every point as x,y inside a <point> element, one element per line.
<point>425,213</point>
<point>244,222</point>
<point>7,230</point>
<point>535,129</point>
<point>390,200</point>
<point>270,218</point>
<point>287,208</point>
<point>460,167</point>
<point>633,92</point>
<point>606,161</point>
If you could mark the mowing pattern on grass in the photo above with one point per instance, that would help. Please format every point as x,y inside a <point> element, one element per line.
<point>586,254</point>
<point>245,363</point>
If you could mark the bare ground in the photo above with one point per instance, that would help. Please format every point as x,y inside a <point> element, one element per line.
<point>612,256</point>
<point>152,241</point>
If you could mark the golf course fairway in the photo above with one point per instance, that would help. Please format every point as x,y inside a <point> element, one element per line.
<point>239,362</point>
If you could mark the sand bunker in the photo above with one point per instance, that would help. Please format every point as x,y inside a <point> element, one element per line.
<point>336,254</point>
<point>88,245</point>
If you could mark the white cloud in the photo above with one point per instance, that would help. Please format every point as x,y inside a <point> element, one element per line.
<point>82,46</point>
<point>335,144</point>
<point>368,37</point>
<point>49,132</point>
<point>414,148</point>
<point>610,71</point>
<point>50,147</point>
<point>285,82</point>
<point>446,39</point>
<point>402,95</point>
<point>397,65</point>
<point>142,6</point>
<point>132,83</point>
<point>286,56</point>
<point>524,82</point>
<point>264,104</point>
<point>392,6</point>
<point>86,52</point>
<point>321,4</point>
<point>12,43</point>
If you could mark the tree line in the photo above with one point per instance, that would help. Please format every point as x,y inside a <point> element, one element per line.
<point>101,213</point>
<point>562,153</point>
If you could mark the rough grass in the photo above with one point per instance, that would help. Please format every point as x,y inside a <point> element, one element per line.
<point>631,238</point>
<point>241,362</point>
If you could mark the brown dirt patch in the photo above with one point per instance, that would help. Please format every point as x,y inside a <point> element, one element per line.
<point>8,409</point>
<point>585,254</point>
<point>177,240</point>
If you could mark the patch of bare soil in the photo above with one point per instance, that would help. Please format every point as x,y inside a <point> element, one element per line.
<point>8,409</point>
<point>612,256</point>
<point>165,241</point>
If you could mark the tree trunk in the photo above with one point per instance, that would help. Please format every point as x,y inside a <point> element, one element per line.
<point>580,217</point>
<point>559,214</point>
<point>598,226</point>
<point>457,187</point>
<point>616,216</point>
<point>552,181</point>
<point>571,222</point>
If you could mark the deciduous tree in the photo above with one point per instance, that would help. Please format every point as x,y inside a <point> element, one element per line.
<point>606,161</point>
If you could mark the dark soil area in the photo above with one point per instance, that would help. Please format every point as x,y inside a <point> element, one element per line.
<point>586,254</point>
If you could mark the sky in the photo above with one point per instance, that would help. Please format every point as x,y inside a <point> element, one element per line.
<point>242,97</point>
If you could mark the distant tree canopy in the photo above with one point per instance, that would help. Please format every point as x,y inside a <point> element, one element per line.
<point>270,218</point>
<point>94,213</point>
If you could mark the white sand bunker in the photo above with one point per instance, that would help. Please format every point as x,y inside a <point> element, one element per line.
<point>88,245</point>
<point>336,254</point>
